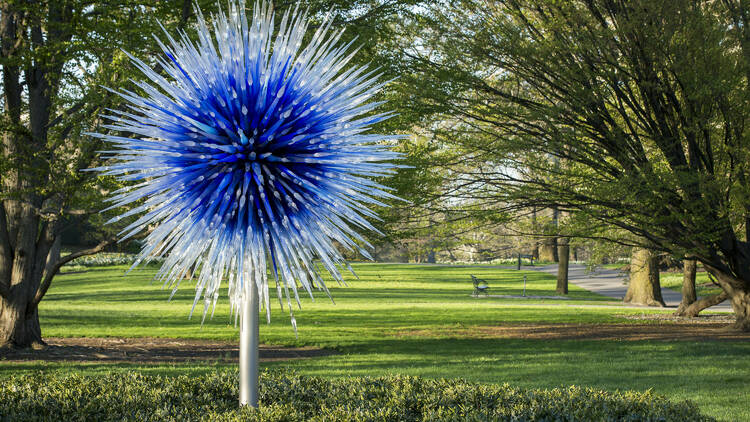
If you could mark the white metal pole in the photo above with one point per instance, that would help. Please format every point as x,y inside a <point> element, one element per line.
<point>249,349</point>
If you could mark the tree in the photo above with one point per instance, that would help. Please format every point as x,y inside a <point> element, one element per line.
<point>644,287</point>
<point>689,295</point>
<point>563,252</point>
<point>645,100</point>
<point>548,248</point>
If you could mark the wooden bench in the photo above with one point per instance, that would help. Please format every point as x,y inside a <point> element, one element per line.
<point>480,286</point>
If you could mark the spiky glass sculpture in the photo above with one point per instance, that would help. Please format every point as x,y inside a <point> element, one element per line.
<point>250,152</point>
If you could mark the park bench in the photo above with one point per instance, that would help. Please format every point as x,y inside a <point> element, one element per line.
<point>480,286</point>
<point>529,257</point>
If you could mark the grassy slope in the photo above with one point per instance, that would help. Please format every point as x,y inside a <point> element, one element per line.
<point>367,325</point>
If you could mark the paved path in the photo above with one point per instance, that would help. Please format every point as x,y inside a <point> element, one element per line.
<point>611,283</point>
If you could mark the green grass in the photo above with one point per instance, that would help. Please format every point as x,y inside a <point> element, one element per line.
<point>703,286</point>
<point>388,297</point>
<point>371,324</point>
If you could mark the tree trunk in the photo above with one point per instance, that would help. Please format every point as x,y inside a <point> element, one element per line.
<point>17,329</point>
<point>738,293</point>
<point>563,252</point>
<point>688,287</point>
<point>644,287</point>
<point>740,301</point>
<point>19,319</point>
<point>549,246</point>
<point>548,250</point>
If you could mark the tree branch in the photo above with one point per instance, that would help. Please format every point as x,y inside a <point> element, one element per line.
<point>694,309</point>
<point>73,109</point>
<point>44,286</point>
<point>47,236</point>
<point>184,15</point>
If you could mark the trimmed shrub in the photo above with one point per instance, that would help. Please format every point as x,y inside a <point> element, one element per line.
<point>289,397</point>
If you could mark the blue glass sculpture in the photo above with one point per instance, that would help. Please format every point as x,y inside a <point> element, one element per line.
<point>251,153</point>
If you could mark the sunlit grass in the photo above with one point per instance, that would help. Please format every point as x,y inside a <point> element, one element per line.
<point>703,286</point>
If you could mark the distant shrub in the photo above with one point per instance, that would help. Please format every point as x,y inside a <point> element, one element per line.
<point>289,397</point>
<point>103,259</point>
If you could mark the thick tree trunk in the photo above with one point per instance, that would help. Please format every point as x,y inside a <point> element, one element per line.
<point>548,250</point>
<point>563,252</point>
<point>739,298</point>
<point>19,320</point>
<point>644,287</point>
<point>17,329</point>
<point>738,293</point>
<point>689,295</point>
<point>740,301</point>
<point>19,313</point>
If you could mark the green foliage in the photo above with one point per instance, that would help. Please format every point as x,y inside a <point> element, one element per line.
<point>631,114</point>
<point>290,397</point>
<point>82,52</point>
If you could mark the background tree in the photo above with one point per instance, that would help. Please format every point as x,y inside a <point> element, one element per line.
<point>563,253</point>
<point>689,295</point>
<point>645,100</point>
<point>644,287</point>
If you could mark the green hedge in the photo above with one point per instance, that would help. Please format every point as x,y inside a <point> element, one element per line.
<point>290,397</point>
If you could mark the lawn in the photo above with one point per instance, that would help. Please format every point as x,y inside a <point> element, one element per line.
<point>419,320</point>
<point>703,286</point>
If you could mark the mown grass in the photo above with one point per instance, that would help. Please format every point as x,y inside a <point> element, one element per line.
<point>703,286</point>
<point>370,326</point>
<point>386,298</point>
